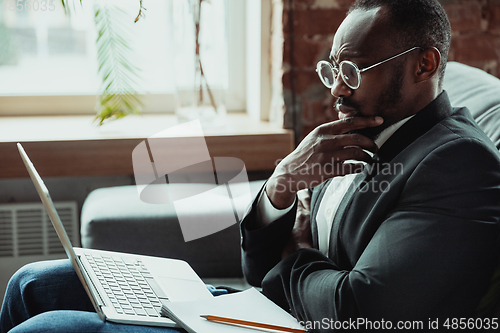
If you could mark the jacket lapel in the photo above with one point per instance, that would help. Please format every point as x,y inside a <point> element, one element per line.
<point>422,122</point>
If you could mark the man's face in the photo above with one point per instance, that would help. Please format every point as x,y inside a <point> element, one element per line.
<point>365,39</point>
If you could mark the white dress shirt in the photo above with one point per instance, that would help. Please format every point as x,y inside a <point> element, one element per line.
<point>331,199</point>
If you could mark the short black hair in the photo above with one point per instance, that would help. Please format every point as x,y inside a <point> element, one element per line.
<point>421,23</point>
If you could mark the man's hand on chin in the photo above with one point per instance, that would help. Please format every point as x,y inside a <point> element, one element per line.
<point>320,156</point>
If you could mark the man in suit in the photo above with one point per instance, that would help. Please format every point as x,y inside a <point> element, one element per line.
<point>415,235</point>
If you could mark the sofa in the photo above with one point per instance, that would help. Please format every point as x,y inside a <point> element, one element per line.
<point>116,219</point>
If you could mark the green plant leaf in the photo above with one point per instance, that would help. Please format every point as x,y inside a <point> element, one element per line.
<point>119,76</point>
<point>118,97</point>
<point>65,4</point>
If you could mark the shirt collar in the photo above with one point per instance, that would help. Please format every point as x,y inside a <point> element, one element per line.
<point>386,133</point>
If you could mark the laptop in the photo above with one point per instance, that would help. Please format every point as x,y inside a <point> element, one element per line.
<point>124,288</point>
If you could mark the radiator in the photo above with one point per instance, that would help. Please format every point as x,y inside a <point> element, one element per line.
<point>25,229</point>
<point>27,235</point>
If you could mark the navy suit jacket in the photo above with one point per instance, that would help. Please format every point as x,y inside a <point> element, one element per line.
<point>411,244</point>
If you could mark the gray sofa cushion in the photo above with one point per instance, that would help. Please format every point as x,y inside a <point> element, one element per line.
<point>480,92</point>
<point>115,219</point>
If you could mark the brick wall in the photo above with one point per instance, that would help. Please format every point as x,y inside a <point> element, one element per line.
<point>308,30</point>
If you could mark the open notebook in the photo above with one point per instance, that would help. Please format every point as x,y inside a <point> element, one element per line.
<point>248,305</point>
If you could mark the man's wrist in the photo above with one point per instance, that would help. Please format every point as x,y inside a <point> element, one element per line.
<point>279,194</point>
<point>267,212</point>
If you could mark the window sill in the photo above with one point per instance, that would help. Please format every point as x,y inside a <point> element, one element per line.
<point>73,146</point>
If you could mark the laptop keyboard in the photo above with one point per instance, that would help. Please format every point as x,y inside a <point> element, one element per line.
<point>128,284</point>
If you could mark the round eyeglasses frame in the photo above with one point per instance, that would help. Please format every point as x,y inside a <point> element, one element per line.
<point>335,70</point>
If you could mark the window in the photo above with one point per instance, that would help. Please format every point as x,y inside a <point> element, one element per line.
<point>48,60</point>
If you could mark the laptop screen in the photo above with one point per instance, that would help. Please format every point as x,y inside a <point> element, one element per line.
<point>48,204</point>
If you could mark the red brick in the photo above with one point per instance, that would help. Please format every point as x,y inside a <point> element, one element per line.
<point>306,129</point>
<point>317,21</point>
<point>475,47</point>
<point>325,114</point>
<point>317,108</point>
<point>339,4</point>
<point>315,4</point>
<point>493,16</point>
<point>321,18</point>
<point>298,4</point>
<point>465,17</point>
<point>286,80</point>
<point>307,52</point>
<point>303,80</point>
<point>494,70</point>
<point>284,21</point>
<point>313,111</point>
<point>492,67</point>
<point>302,2</point>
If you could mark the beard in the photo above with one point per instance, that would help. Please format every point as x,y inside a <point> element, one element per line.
<point>390,97</point>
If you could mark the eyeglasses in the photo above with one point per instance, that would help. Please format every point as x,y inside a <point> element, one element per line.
<point>348,70</point>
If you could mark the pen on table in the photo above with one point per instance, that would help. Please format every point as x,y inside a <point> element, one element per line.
<point>251,324</point>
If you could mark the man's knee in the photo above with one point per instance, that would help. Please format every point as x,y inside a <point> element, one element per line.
<point>43,286</point>
<point>19,282</point>
<point>20,301</point>
<point>80,321</point>
<point>36,276</point>
<point>61,321</point>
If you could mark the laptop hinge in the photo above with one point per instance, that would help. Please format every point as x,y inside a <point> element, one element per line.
<point>99,300</point>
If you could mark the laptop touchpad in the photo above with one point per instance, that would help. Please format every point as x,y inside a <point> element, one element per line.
<point>183,290</point>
